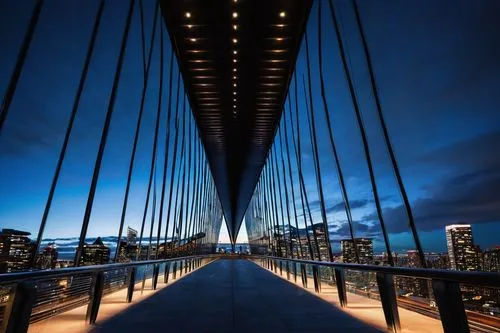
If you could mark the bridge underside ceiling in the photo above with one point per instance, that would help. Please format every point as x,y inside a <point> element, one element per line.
<point>236,58</point>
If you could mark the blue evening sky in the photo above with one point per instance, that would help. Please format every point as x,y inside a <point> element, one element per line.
<point>437,68</point>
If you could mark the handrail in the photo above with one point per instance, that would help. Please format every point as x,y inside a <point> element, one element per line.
<point>53,273</point>
<point>445,285</point>
<point>484,279</point>
<point>24,287</point>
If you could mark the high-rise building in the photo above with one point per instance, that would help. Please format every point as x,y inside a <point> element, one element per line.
<point>16,250</point>
<point>364,247</point>
<point>47,259</point>
<point>491,259</point>
<point>95,254</point>
<point>131,236</point>
<point>461,250</point>
<point>414,286</point>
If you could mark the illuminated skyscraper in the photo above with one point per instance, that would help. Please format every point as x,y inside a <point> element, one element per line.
<point>16,250</point>
<point>48,258</point>
<point>95,254</point>
<point>461,249</point>
<point>491,259</point>
<point>365,250</point>
<point>131,236</point>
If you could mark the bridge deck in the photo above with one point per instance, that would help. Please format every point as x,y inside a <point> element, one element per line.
<point>232,296</point>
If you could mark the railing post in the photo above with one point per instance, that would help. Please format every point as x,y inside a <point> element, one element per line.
<point>166,273</point>
<point>295,272</point>
<point>180,268</point>
<point>95,298</point>
<point>174,271</point>
<point>18,310</point>
<point>131,284</point>
<point>275,266</point>
<point>156,272</point>
<point>451,306</point>
<point>340,282</point>
<point>143,281</point>
<point>287,270</point>
<point>317,283</point>
<point>281,268</point>
<point>303,274</point>
<point>388,298</point>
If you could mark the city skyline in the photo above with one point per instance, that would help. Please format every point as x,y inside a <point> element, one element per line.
<point>443,146</point>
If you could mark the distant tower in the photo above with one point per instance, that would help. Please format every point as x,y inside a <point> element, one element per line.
<point>461,250</point>
<point>95,254</point>
<point>131,236</point>
<point>365,250</point>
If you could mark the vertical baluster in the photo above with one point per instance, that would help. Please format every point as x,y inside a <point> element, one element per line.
<point>388,298</point>
<point>340,282</point>
<point>95,298</point>
<point>451,306</point>
<point>131,284</point>
<point>18,310</point>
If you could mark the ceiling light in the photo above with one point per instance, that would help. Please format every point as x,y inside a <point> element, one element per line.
<point>235,27</point>
<point>234,99</point>
<point>188,14</point>
<point>279,39</point>
<point>189,26</point>
<point>282,14</point>
<point>193,40</point>
<point>234,77</point>
<point>235,40</point>
<point>234,106</point>
<point>235,52</point>
<point>234,60</point>
<point>234,70</point>
<point>234,84</point>
<point>235,14</point>
<point>234,92</point>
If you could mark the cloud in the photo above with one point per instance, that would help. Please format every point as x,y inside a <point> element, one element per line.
<point>470,198</point>
<point>360,229</point>
<point>354,204</point>
<point>467,155</point>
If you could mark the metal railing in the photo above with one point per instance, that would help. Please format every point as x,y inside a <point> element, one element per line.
<point>445,285</point>
<point>28,297</point>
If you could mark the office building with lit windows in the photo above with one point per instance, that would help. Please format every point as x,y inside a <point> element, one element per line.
<point>364,247</point>
<point>461,250</point>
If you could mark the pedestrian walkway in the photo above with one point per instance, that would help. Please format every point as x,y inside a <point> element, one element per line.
<point>232,296</point>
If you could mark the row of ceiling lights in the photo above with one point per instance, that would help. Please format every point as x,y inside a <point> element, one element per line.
<point>235,28</point>
<point>235,59</point>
